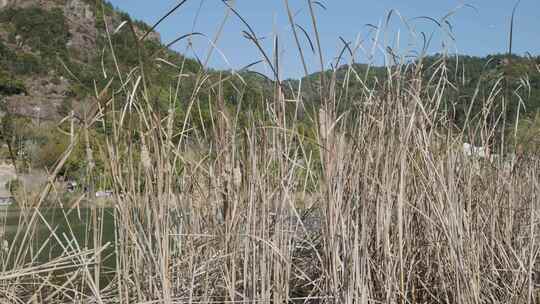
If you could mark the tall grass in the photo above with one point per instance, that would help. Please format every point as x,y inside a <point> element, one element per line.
<point>377,204</point>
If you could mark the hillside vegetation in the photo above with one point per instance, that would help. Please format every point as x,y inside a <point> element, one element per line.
<point>42,67</point>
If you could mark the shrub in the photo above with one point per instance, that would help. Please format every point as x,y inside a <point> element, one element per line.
<point>10,85</point>
<point>28,64</point>
<point>45,31</point>
<point>14,186</point>
<point>528,134</point>
<point>50,152</point>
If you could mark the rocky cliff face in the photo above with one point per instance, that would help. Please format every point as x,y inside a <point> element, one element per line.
<point>43,98</point>
<point>82,28</point>
<point>45,92</point>
<point>80,18</point>
<point>48,4</point>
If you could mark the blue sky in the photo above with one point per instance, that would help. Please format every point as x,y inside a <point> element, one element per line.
<point>478,31</point>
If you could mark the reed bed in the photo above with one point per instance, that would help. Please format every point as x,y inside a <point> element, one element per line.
<point>378,204</point>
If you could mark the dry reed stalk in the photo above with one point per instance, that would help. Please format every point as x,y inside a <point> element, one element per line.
<point>395,214</point>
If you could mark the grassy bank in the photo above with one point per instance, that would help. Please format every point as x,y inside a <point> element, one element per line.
<point>287,201</point>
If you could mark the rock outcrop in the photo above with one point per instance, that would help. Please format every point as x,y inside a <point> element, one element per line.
<point>45,93</point>
<point>44,96</point>
<point>82,29</point>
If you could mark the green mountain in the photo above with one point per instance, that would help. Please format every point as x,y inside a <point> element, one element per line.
<point>472,82</point>
<point>56,55</point>
<point>51,52</point>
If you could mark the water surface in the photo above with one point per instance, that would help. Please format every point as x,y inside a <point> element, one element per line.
<point>49,233</point>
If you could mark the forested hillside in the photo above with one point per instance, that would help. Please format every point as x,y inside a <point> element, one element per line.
<point>54,55</point>
<point>498,88</point>
<point>469,76</point>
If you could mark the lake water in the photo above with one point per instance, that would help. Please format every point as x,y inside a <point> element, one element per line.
<point>53,230</point>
